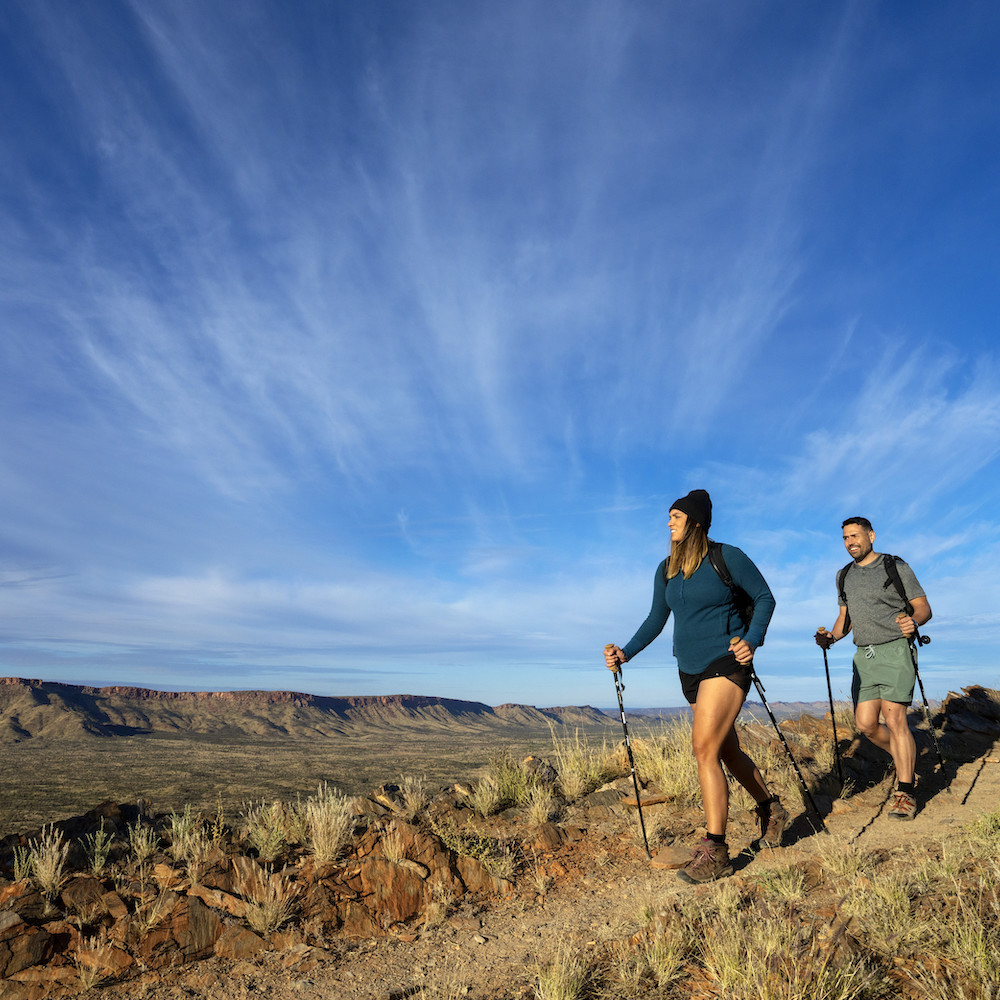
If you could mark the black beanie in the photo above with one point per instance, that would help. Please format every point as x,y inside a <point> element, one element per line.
<point>697,505</point>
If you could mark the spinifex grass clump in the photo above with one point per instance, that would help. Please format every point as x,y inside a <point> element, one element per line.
<point>415,797</point>
<point>265,828</point>
<point>189,843</point>
<point>507,784</point>
<point>98,847</point>
<point>143,841</point>
<point>663,757</point>
<point>564,978</point>
<point>47,861</point>
<point>271,898</point>
<point>541,805</point>
<point>582,767</point>
<point>328,823</point>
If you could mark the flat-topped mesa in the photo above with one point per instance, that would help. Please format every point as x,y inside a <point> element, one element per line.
<point>300,698</point>
<point>31,708</point>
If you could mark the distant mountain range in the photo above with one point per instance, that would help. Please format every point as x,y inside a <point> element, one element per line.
<point>35,709</point>
<point>781,710</point>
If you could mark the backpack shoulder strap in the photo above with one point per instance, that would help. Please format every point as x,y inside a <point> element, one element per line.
<point>718,561</point>
<point>842,594</point>
<point>893,577</point>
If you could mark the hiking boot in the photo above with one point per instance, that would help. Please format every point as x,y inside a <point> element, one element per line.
<point>904,806</point>
<point>773,820</point>
<point>709,862</point>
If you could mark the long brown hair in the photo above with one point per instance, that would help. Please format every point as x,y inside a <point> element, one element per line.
<point>687,554</point>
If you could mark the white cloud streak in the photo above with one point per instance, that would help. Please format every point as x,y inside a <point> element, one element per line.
<point>356,310</point>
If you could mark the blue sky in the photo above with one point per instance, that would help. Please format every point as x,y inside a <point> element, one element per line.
<point>360,348</point>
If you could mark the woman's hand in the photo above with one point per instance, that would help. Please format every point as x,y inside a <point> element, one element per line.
<point>742,650</point>
<point>613,657</point>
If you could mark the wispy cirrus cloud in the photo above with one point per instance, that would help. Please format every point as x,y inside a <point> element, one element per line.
<point>313,312</point>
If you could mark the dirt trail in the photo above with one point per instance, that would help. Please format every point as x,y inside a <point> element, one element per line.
<point>598,896</point>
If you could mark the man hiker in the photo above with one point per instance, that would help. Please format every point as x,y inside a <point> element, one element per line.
<point>872,605</point>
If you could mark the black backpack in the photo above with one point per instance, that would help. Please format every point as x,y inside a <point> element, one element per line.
<point>742,600</point>
<point>891,578</point>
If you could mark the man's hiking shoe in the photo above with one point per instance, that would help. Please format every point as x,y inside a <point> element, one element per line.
<point>709,862</point>
<point>904,806</point>
<point>773,819</point>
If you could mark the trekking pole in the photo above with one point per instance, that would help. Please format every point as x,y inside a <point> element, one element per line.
<point>921,640</point>
<point>833,712</point>
<point>781,736</point>
<point>619,687</point>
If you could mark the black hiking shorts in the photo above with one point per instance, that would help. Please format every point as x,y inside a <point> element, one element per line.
<point>725,666</point>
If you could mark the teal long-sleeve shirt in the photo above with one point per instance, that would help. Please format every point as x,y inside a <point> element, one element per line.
<point>705,617</point>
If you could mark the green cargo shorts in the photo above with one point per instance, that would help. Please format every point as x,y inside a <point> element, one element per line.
<point>884,672</point>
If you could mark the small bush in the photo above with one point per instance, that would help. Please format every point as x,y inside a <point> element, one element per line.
<point>498,857</point>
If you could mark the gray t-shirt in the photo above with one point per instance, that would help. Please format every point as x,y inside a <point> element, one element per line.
<point>874,601</point>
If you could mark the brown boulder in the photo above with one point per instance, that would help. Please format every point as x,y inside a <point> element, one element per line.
<point>218,900</point>
<point>82,894</point>
<point>394,893</point>
<point>238,943</point>
<point>22,945</point>
<point>196,929</point>
<point>25,900</point>
<point>103,961</point>
<point>356,921</point>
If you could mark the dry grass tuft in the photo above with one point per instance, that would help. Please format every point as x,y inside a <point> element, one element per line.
<point>393,846</point>
<point>329,821</point>
<point>143,841</point>
<point>564,978</point>
<point>582,767</point>
<point>415,796</point>
<point>663,756</point>
<point>265,828</point>
<point>272,899</point>
<point>47,862</point>
<point>98,847</point>
<point>541,805</point>
<point>485,797</point>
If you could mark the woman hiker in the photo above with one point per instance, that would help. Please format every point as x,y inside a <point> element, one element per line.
<point>715,676</point>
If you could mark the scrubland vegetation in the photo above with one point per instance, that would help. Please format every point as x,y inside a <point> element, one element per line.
<point>848,922</point>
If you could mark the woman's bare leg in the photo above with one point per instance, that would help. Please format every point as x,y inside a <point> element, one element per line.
<point>719,703</point>
<point>743,769</point>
